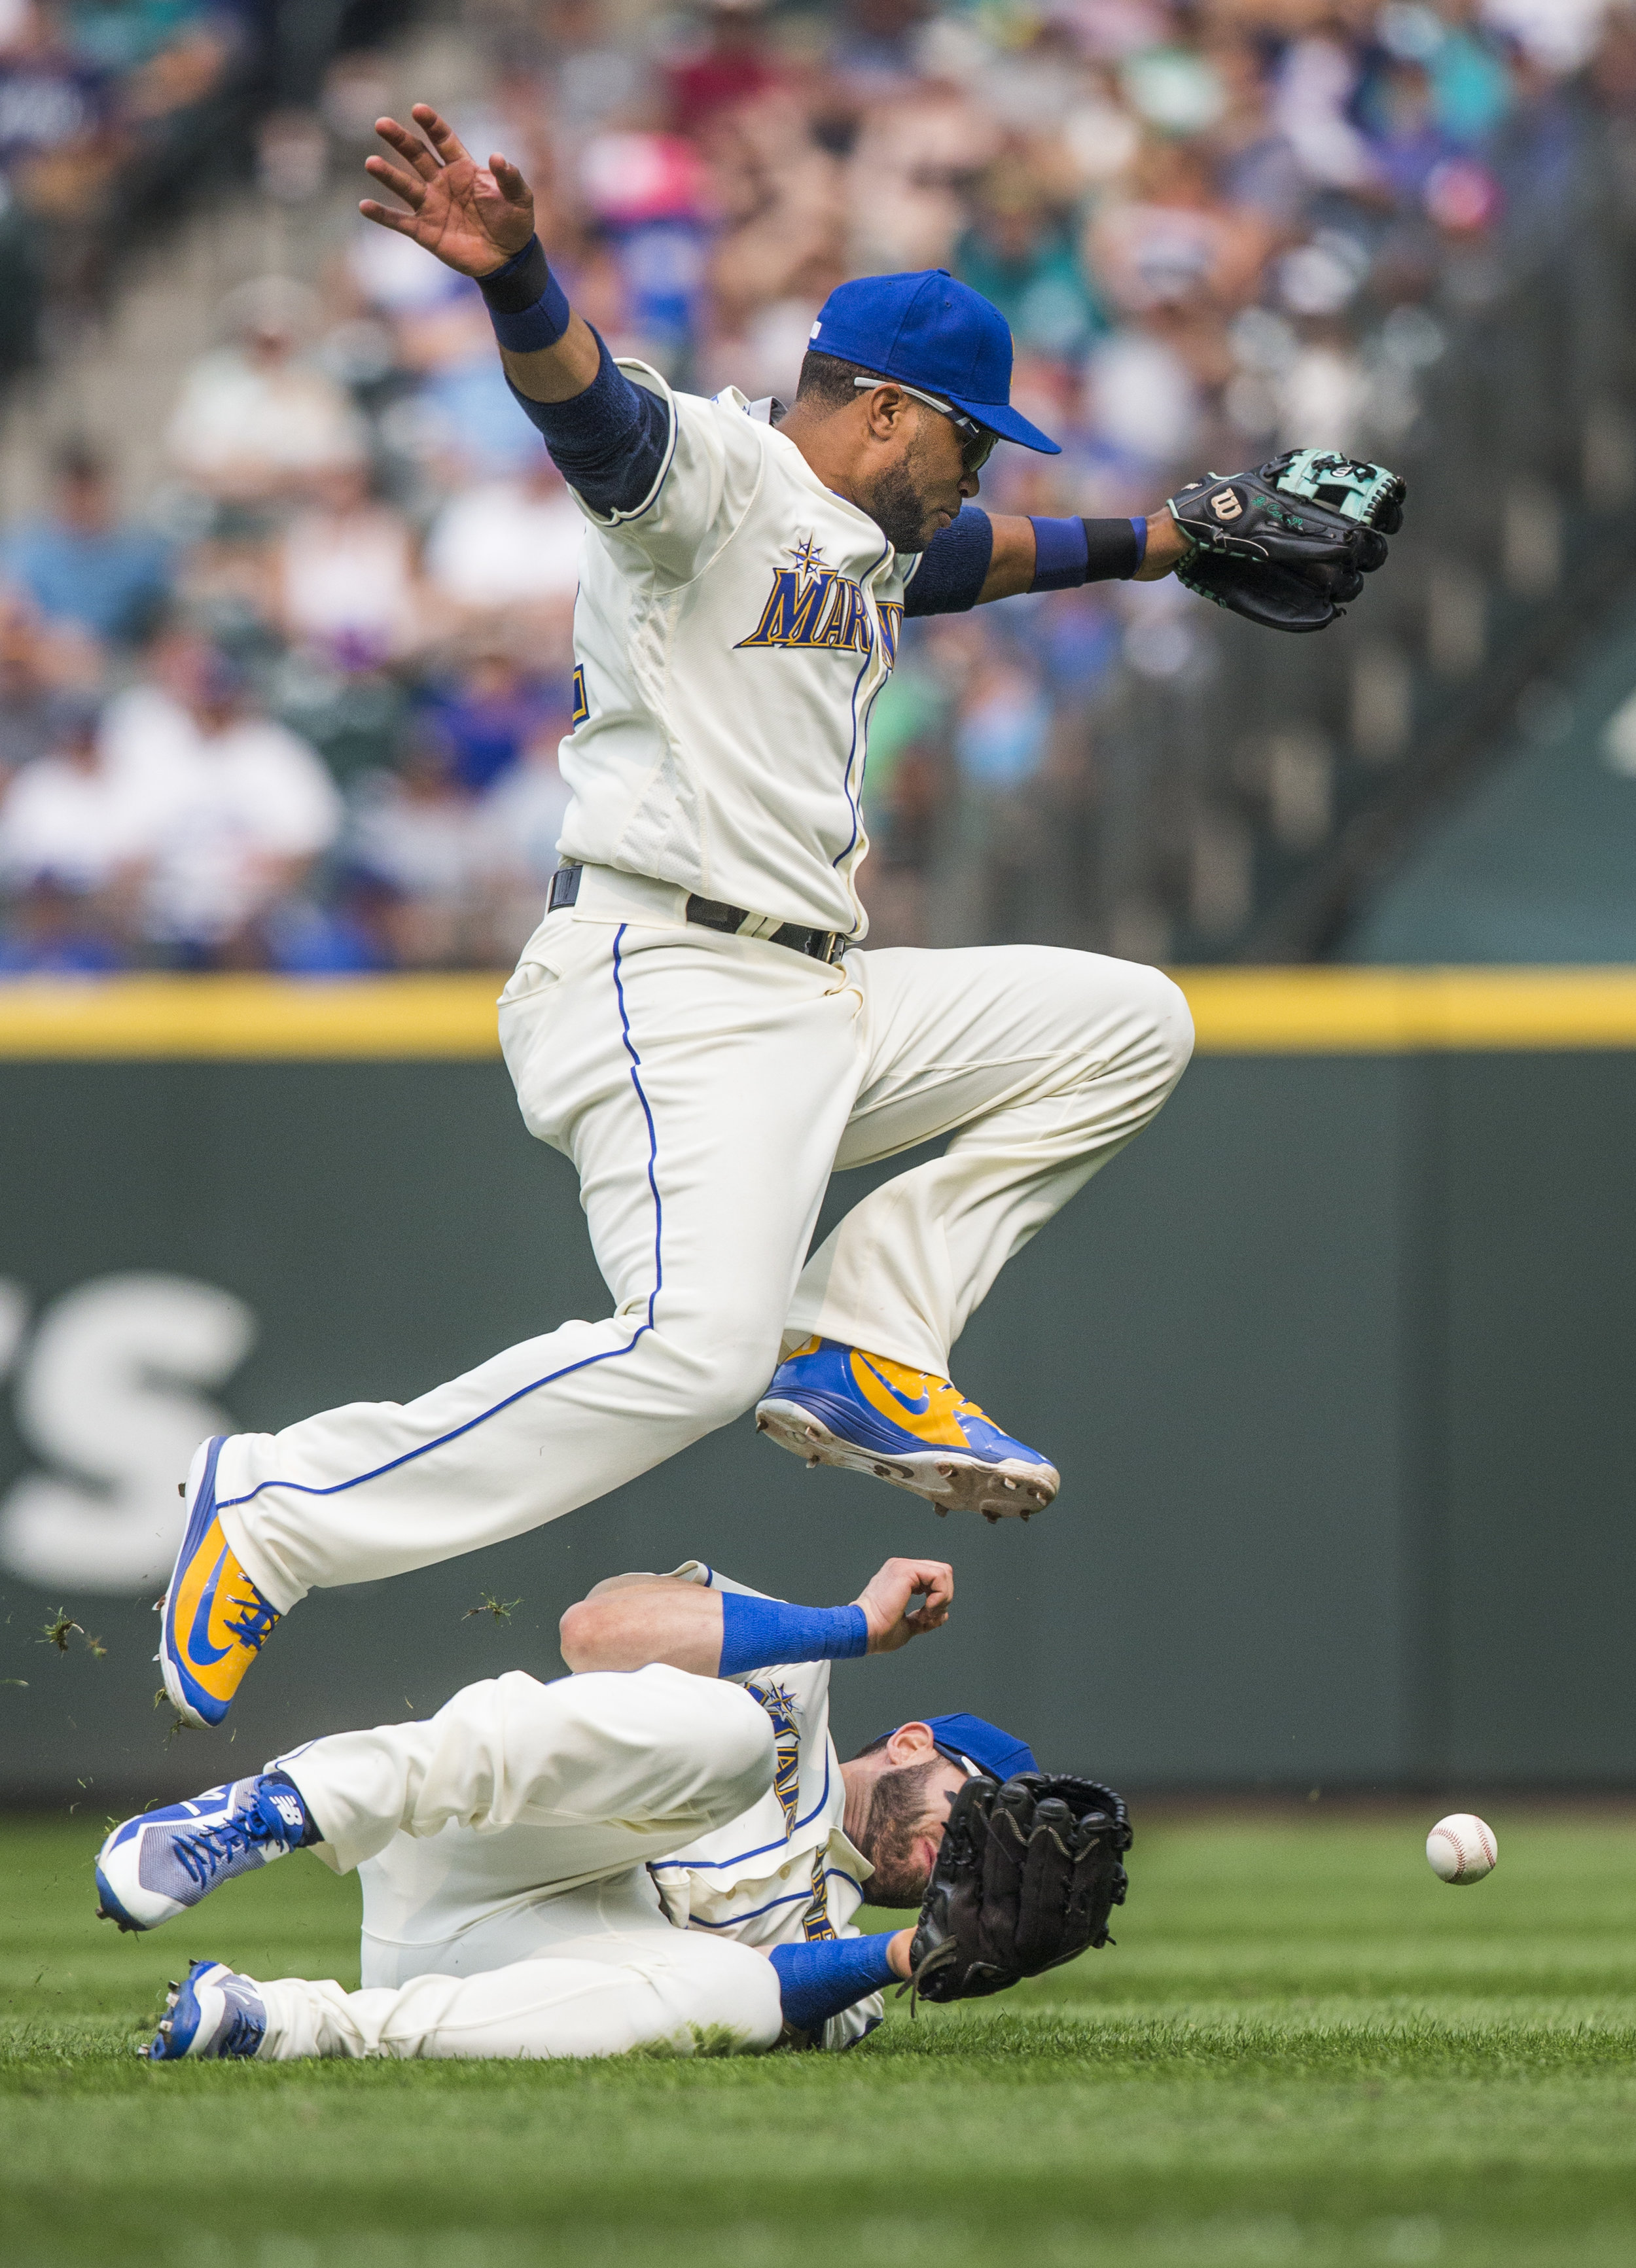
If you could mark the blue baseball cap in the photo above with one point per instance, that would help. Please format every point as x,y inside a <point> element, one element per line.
<point>979,1745</point>
<point>933,332</point>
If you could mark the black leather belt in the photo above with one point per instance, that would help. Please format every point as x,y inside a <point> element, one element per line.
<point>825,944</point>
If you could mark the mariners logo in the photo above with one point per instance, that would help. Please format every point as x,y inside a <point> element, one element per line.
<point>813,606</point>
<point>786,1780</point>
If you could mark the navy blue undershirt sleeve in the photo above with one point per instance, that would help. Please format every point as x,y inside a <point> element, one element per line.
<point>756,1632</point>
<point>953,567</point>
<point>820,1980</point>
<point>607,443</point>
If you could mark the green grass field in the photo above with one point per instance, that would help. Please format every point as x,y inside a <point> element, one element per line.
<point>1304,2048</point>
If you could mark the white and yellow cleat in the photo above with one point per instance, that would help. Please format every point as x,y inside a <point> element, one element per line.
<point>837,1405</point>
<point>216,1621</point>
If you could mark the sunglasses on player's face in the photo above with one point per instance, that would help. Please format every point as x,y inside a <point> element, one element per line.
<point>976,443</point>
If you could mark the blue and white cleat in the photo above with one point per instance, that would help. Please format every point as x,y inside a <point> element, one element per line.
<point>216,1620</point>
<point>158,1864</point>
<point>214,2012</point>
<point>837,1405</point>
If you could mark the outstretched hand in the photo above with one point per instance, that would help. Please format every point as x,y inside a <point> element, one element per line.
<point>472,217</point>
<point>885,1600</point>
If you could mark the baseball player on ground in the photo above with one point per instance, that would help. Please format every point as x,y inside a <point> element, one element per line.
<point>691,1023</point>
<point>600,1863</point>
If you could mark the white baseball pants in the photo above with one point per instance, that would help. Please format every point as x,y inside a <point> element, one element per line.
<point>501,1844</point>
<point>705,1087</point>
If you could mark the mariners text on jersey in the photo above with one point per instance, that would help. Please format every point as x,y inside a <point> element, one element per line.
<point>810,604</point>
<point>732,633</point>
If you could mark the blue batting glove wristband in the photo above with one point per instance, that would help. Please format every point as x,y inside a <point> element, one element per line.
<point>818,1981</point>
<point>527,305</point>
<point>756,1632</point>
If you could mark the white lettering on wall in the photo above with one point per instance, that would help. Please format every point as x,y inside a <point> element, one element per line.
<point>104,1395</point>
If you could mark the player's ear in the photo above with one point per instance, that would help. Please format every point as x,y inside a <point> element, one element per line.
<point>884,410</point>
<point>913,1743</point>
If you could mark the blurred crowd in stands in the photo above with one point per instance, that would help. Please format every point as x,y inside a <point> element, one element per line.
<point>303,713</point>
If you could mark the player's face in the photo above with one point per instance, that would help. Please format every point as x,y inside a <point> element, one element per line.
<point>920,489</point>
<point>903,1832</point>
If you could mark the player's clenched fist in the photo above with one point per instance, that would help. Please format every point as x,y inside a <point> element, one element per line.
<point>885,1600</point>
<point>474,217</point>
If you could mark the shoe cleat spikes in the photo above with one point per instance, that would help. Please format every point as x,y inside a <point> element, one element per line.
<point>837,1405</point>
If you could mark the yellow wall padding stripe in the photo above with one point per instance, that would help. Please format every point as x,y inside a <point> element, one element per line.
<point>1238,1012</point>
<point>249,1019</point>
<point>1250,1011</point>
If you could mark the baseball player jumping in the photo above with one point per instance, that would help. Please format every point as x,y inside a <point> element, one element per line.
<point>664,1849</point>
<point>692,1023</point>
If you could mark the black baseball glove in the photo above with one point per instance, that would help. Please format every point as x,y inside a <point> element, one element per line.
<point>1289,544</point>
<point>1027,1877</point>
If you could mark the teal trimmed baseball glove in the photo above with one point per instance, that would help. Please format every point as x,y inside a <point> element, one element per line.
<point>1289,544</point>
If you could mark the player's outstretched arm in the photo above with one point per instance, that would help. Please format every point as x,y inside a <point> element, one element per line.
<point>982,555</point>
<point>635,1620</point>
<point>1015,562</point>
<point>479,220</point>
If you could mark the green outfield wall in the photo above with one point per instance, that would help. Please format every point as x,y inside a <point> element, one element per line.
<point>1337,1361</point>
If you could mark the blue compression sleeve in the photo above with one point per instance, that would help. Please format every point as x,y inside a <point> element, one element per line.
<point>953,567</point>
<point>1070,552</point>
<point>527,305</point>
<point>607,443</point>
<point>756,1631</point>
<point>1061,554</point>
<point>818,1981</point>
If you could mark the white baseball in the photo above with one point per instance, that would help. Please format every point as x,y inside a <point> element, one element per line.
<point>1462,1849</point>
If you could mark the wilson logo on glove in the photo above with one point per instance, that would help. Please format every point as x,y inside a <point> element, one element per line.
<point>1305,529</point>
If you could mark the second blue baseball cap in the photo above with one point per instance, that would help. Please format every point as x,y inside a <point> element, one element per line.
<point>975,1743</point>
<point>932,331</point>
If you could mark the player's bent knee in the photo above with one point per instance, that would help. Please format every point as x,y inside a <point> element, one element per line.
<point>1172,1021</point>
<point>724,1369</point>
<point>728,1995</point>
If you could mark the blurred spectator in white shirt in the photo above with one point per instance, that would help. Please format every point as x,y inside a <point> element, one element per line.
<point>346,575</point>
<point>508,546</point>
<point>67,817</point>
<point>254,420</point>
<point>236,807</point>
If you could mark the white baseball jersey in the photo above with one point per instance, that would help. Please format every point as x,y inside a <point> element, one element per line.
<point>730,633</point>
<point>782,1873</point>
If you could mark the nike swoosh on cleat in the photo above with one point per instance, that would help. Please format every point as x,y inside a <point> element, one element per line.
<point>915,1409</point>
<point>199,1646</point>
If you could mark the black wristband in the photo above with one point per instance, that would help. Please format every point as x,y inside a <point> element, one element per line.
<point>1112,552</point>
<point>522,283</point>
